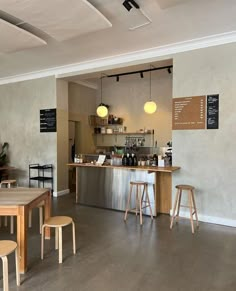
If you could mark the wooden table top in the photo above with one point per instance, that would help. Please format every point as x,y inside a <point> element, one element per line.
<point>142,168</point>
<point>20,196</point>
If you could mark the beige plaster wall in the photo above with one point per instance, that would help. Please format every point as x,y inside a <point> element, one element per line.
<point>20,104</point>
<point>127,97</point>
<point>207,157</point>
<point>82,103</point>
<point>62,134</point>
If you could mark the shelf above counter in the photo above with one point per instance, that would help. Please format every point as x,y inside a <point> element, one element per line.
<point>125,139</point>
<point>124,133</point>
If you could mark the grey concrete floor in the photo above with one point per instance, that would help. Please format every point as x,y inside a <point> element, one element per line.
<point>113,255</point>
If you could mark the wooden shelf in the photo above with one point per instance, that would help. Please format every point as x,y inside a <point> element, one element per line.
<point>124,133</point>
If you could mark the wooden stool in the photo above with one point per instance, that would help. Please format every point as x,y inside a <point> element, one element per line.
<point>6,248</point>
<point>58,222</point>
<point>191,204</point>
<point>139,200</point>
<point>8,184</point>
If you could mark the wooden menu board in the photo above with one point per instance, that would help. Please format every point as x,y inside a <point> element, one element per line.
<point>189,113</point>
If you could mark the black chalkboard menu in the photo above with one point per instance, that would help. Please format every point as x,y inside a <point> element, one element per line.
<point>48,120</point>
<point>213,111</point>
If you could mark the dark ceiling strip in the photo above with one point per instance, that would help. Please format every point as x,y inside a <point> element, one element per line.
<point>140,71</point>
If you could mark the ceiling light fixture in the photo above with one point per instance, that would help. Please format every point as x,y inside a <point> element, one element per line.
<point>150,106</point>
<point>169,70</point>
<point>141,74</point>
<point>102,109</point>
<point>117,78</point>
<point>129,4</point>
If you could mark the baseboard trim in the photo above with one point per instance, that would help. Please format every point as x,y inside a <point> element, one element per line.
<point>210,219</point>
<point>60,193</point>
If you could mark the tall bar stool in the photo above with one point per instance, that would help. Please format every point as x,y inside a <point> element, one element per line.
<point>8,184</point>
<point>191,204</point>
<point>140,202</point>
<point>58,222</point>
<point>7,247</point>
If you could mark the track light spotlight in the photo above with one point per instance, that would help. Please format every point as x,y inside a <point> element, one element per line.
<point>129,4</point>
<point>117,78</point>
<point>169,70</point>
<point>141,74</point>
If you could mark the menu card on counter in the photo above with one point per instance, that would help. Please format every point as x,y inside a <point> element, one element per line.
<point>101,160</point>
<point>213,111</point>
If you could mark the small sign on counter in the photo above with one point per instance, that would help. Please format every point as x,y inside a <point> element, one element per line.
<point>101,160</point>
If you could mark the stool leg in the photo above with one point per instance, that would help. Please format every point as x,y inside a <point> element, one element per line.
<point>136,201</point>
<point>73,237</point>
<point>42,242</point>
<point>140,205</point>
<point>40,218</point>
<point>191,210</point>
<point>30,218</point>
<point>178,203</point>
<point>173,214</point>
<point>5,221</point>
<point>17,267</point>
<point>128,202</point>
<point>12,224</point>
<point>56,238</point>
<point>60,245</point>
<point>195,208</point>
<point>5,273</point>
<point>147,195</point>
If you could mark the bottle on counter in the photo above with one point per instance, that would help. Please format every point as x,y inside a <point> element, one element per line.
<point>124,160</point>
<point>155,160</point>
<point>130,160</point>
<point>135,160</point>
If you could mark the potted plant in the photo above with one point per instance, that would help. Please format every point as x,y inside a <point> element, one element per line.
<point>3,154</point>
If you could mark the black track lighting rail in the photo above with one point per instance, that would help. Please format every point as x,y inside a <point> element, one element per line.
<point>168,68</point>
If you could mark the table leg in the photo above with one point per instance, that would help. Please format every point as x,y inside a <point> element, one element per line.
<point>47,213</point>
<point>22,223</point>
<point>77,185</point>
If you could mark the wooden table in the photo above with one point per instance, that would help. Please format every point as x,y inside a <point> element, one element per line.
<point>163,182</point>
<point>18,202</point>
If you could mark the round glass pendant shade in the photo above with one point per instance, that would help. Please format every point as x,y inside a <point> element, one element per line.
<point>102,111</point>
<point>150,107</point>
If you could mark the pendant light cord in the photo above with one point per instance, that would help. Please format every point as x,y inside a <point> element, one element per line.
<point>150,84</point>
<point>101,89</point>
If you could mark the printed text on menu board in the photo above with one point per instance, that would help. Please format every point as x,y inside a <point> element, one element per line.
<point>213,111</point>
<point>189,113</point>
<point>48,120</point>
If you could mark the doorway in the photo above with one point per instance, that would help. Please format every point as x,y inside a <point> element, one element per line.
<point>74,138</point>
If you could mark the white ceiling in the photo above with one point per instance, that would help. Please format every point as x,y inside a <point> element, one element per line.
<point>20,39</point>
<point>165,22</point>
